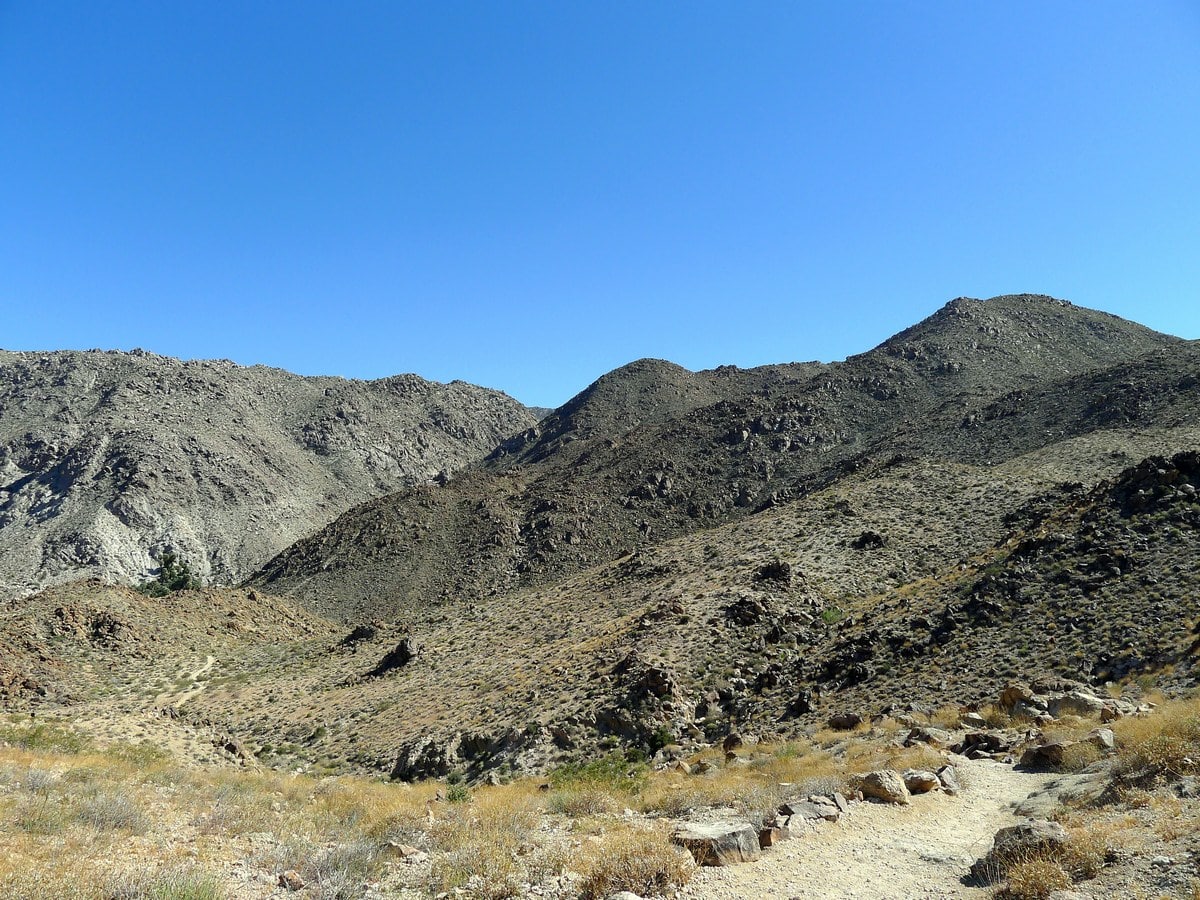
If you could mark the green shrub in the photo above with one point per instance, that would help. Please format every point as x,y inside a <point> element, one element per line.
<point>174,574</point>
<point>614,770</point>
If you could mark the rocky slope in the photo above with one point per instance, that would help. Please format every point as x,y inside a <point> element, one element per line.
<point>652,451</point>
<point>109,458</point>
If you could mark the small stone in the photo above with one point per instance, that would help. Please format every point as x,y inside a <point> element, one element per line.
<point>291,880</point>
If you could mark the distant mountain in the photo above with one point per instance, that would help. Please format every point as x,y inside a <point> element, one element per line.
<point>652,451</point>
<point>108,458</point>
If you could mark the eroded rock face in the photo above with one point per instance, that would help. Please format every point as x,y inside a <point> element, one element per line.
<point>108,458</point>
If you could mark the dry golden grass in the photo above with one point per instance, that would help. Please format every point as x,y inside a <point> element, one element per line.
<point>1164,743</point>
<point>631,859</point>
<point>755,788</point>
<point>1034,879</point>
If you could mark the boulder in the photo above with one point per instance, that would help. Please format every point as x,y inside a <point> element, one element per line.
<point>919,781</point>
<point>1075,703</point>
<point>1046,756</point>
<point>948,776</point>
<point>1102,738</point>
<point>886,785</point>
<point>973,720</point>
<point>812,808</point>
<point>719,843</point>
<point>1015,843</point>
<point>934,737</point>
<point>846,721</point>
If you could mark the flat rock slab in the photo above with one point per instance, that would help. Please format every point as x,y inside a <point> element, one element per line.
<point>719,843</point>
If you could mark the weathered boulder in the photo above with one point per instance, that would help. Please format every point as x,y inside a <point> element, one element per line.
<point>1103,738</point>
<point>919,781</point>
<point>948,776</point>
<point>1076,703</point>
<point>812,808</point>
<point>886,785</point>
<point>1015,843</point>
<point>719,843</point>
<point>934,737</point>
<point>1049,755</point>
<point>846,721</point>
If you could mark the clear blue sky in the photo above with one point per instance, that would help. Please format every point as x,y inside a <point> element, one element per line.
<point>528,194</point>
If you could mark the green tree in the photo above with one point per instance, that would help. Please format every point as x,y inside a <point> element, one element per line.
<point>174,574</point>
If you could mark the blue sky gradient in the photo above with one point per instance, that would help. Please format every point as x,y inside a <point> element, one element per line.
<point>528,194</point>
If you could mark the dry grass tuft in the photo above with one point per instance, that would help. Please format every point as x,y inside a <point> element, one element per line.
<point>644,862</point>
<point>1165,743</point>
<point>1034,879</point>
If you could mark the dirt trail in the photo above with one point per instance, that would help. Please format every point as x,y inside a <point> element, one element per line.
<point>178,699</point>
<point>882,851</point>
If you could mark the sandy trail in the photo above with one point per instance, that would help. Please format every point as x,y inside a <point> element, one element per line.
<point>197,684</point>
<point>882,851</point>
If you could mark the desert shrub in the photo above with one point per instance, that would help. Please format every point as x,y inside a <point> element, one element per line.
<point>40,814</point>
<point>38,781</point>
<point>1087,849</point>
<point>644,862</point>
<point>174,574</point>
<point>583,800</point>
<point>43,736</point>
<point>111,812</point>
<point>614,770</point>
<point>339,872</point>
<point>1034,879</point>
<point>1166,742</point>
<point>185,883</point>
<point>1079,755</point>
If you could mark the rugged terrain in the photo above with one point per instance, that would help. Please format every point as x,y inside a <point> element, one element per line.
<point>108,459</point>
<point>976,383</point>
<point>1007,492</point>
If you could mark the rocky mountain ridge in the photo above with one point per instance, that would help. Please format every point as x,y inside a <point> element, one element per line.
<point>108,458</point>
<point>595,480</point>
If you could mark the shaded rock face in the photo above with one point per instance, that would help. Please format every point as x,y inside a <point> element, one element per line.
<point>108,458</point>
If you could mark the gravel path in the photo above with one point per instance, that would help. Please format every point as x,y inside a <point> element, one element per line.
<point>884,851</point>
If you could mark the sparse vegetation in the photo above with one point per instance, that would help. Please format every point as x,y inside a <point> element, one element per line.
<point>174,574</point>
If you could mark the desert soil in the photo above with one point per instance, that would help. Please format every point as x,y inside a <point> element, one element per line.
<point>885,851</point>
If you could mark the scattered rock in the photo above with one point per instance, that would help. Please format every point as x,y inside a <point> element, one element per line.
<point>886,785</point>
<point>719,843</point>
<point>291,880</point>
<point>948,776</point>
<point>921,782</point>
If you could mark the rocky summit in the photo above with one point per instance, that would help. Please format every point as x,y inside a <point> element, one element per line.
<point>108,459</point>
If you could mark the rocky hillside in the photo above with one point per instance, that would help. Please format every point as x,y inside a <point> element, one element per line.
<point>108,458</point>
<point>651,451</point>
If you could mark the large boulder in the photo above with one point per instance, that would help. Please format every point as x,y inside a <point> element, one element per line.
<point>919,781</point>
<point>1016,843</point>
<point>1075,703</point>
<point>886,785</point>
<point>719,843</point>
